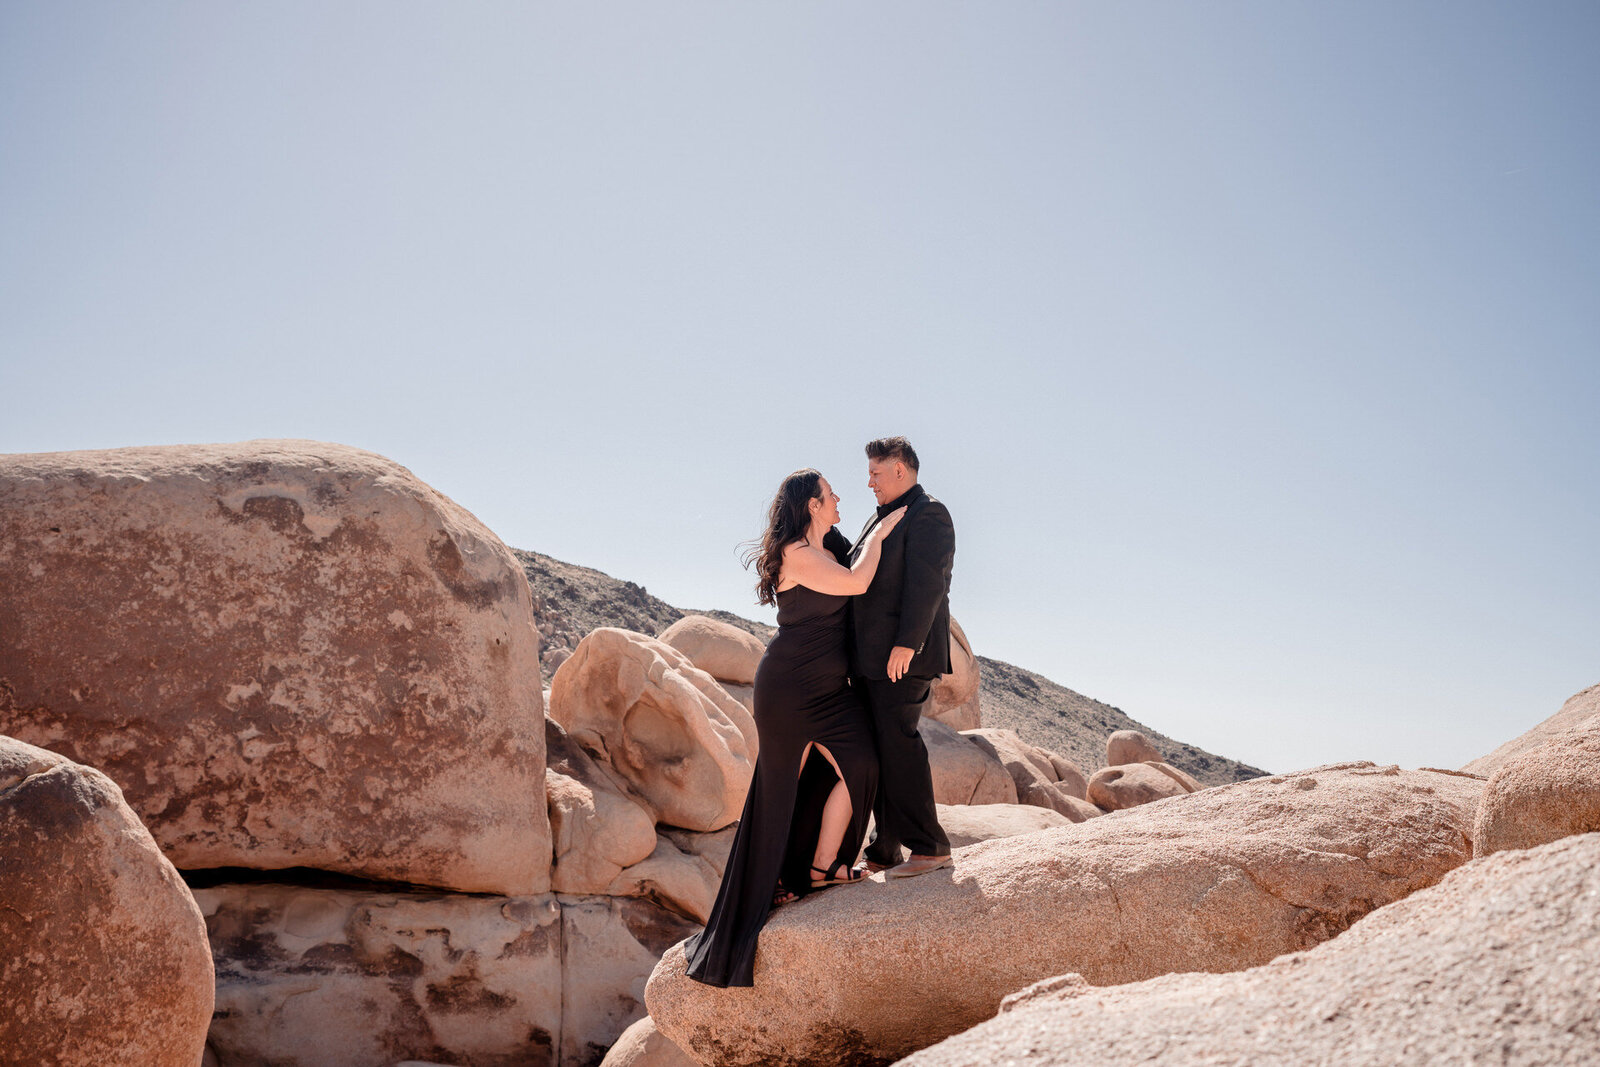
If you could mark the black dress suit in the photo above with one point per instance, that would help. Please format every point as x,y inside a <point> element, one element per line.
<point>907,605</point>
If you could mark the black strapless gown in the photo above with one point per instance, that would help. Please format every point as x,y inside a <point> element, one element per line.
<point>802,695</point>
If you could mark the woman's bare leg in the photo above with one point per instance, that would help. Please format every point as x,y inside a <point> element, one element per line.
<point>836,814</point>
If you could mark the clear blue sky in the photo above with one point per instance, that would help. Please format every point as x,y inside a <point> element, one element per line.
<point>1254,346</point>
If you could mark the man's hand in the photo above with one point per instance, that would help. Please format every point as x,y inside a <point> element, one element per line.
<point>899,662</point>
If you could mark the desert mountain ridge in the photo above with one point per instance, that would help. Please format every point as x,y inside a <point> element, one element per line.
<point>570,600</point>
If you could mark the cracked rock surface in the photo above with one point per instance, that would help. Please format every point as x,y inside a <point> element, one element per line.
<point>1220,880</point>
<point>1496,964</point>
<point>354,978</point>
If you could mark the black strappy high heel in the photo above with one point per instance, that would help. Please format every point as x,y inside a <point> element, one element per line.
<point>851,874</point>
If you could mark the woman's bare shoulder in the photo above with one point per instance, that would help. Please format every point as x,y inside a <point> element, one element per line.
<point>794,555</point>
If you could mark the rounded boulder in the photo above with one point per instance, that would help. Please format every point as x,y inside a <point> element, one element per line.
<point>1130,785</point>
<point>105,958</point>
<point>683,745</point>
<point>723,651</point>
<point>1542,794</point>
<point>286,653</point>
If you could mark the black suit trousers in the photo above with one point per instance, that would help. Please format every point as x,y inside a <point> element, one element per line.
<point>904,809</point>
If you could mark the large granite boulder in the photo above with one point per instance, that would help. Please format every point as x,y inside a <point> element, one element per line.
<point>1189,782</point>
<point>1130,746</point>
<point>642,1045</point>
<point>287,653</point>
<point>967,824</point>
<point>681,880</point>
<point>723,651</point>
<point>597,827</point>
<point>1218,880</point>
<point>686,748</point>
<point>956,695</point>
<point>1496,964</point>
<point>1068,776</point>
<point>1578,707</point>
<point>1033,771</point>
<point>103,956</point>
<point>1132,784</point>
<point>312,977</point>
<point>1543,793</point>
<point>962,772</point>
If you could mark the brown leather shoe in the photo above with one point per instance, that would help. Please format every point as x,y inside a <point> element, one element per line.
<point>919,865</point>
<point>874,867</point>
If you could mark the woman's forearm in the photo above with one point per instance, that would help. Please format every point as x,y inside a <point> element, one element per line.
<point>866,565</point>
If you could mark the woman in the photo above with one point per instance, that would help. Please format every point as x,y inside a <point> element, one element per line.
<point>817,770</point>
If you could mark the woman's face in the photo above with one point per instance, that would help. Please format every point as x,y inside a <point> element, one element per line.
<point>827,505</point>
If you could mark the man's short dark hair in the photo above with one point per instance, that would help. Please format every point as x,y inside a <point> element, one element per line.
<point>893,448</point>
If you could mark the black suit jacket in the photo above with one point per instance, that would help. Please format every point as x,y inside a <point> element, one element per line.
<point>908,603</point>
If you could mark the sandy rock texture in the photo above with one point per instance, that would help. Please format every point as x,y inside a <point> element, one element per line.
<point>955,695</point>
<point>967,824</point>
<point>963,773</point>
<point>686,748</point>
<point>1219,880</point>
<point>1130,785</point>
<point>1579,706</point>
<point>725,652</point>
<point>287,653</point>
<point>641,1045</point>
<point>103,957</point>
<point>1543,793</point>
<point>312,977</point>
<point>1496,964</point>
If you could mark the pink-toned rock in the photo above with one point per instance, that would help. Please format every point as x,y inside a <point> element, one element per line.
<point>963,773</point>
<point>955,695</point>
<point>1496,964</point>
<point>104,957</point>
<point>1057,799</point>
<point>287,653</point>
<point>1219,880</point>
<point>1130,785</point>
<point>1068,776</point>
<point>723,651</point>
<point>1579,707</point>
<point>320,977</point>
<point>713,848</point>
<point>641,1045</point>
<point>680,881</point>
<point>1190,785</point>
<point>1130,746</point>
<point>1033,772</point>
<point>597,828</point>
<point>311,977</point>
<point>744,694</point>
<point>967,824</point>
<point>1543,793</point>
<point>685,747</point>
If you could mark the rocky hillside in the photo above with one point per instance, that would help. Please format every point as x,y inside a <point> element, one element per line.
<point>569,601</point>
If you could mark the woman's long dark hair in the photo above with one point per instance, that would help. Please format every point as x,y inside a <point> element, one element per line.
<point>787,522</point>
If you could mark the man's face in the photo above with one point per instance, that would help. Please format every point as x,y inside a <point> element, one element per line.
<point>887,479</point>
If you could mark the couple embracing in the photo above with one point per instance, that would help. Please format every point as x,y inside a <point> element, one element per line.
<point>863,630</point>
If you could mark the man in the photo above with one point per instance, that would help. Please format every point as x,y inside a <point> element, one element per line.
<point>900,643</point>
